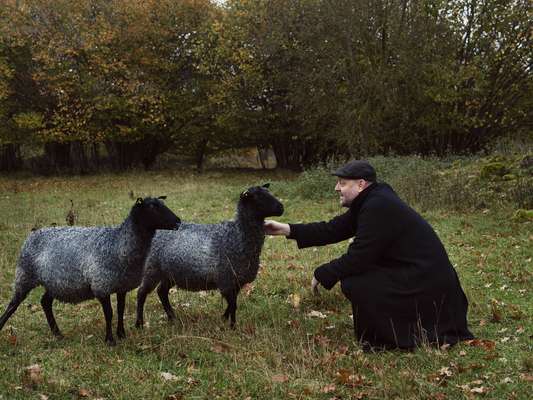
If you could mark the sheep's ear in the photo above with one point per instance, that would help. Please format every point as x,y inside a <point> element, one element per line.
<point>162,197</point>
<point>266,185</point>
<point>245,194</point>
<point>140,200</point>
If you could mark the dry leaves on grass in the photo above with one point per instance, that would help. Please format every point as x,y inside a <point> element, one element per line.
<point>280,378</point>
<point>167,376</point>
<point>33,375</point>
<point>84,393</point>
<point>346,378</point>
<point>484,343</point>
<point>294,300</point>
<point>479,390</point>
<point>247,289</point>
<point>220,348</point>
<point>316,314</point>
<point>328,388</point>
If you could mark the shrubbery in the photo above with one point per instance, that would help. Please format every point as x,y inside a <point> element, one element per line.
<point>433,183</point>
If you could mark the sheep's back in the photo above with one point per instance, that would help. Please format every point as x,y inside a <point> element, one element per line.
<point>69,261</point>
<point>188,256</point>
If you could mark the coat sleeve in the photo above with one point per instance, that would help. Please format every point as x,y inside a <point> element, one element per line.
<point>321,233</point>
<point>376,229</point>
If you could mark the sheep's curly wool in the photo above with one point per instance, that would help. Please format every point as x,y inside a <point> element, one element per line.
<point>222,256</point>
<point>80,263</point>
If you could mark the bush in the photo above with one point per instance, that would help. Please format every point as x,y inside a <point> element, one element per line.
<point>431,183</point>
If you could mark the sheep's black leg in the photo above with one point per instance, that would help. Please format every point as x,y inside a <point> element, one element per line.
<point>148,285</point>
<point>162,292</point>
<point>108,313</point>
<point>231,298</point>
<point>18,298</point>
<point>121,303</point>
<point>46,303</point>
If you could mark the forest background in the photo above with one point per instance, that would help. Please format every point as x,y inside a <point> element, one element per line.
<point>114,84</point>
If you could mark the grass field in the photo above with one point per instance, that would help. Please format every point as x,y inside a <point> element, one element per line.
<point>280,349</point>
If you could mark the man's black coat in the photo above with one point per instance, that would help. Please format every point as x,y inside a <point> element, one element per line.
<point>396,273</point>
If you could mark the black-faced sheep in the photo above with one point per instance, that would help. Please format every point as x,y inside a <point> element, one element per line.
<point>80,263</point>
<point>223,256</point>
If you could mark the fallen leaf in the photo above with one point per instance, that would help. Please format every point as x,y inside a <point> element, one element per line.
<point>84,393</point>
<point>12,339</point>
<point>280,378</point>
<point>294,299</point>
<point>293,323</point>
<point>507,380</point>
<point>43,397</point>
<point>192,381</point>
<point>33,375</point>
<point>462,353</point>
<point>220,348</point>
<point>328,388</point>
<point>345,377</point>
<point>248,289</point>
<point>316,314</point>
<point>526,377</point>
<point>167,376</point>
<point>342,349</point>
<point>486,344</point>
<point>322,340</point>
<point>479,390</point>
<point>496,311</point>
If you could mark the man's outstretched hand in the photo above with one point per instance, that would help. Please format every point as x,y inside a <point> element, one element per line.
<point>276,228</point>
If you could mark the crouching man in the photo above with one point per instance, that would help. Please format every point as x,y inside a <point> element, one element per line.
<point>396,273</point>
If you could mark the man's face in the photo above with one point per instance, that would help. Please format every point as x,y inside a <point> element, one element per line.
<point>349,189</point>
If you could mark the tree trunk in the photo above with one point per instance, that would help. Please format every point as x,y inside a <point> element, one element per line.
<point>10,159</point>
<point>201,148</point>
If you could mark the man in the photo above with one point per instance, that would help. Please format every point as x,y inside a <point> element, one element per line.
<point>396,273</point>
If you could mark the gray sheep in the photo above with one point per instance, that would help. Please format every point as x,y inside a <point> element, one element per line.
<point>223,256</point>
<point>81,263</point>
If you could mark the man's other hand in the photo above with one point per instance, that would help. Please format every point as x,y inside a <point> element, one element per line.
<point>276,228</point>
<point>314,286</point>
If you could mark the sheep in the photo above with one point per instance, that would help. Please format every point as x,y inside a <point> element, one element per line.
<point>81,263</point>
<point>223,256</point>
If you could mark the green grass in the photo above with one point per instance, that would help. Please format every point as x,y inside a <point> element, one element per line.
<point>277,351</point>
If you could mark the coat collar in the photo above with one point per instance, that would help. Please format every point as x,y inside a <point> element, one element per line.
<point>359,200</point>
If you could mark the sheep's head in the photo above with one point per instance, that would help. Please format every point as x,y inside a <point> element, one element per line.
<point>262,201</point>
<point>153,214</point>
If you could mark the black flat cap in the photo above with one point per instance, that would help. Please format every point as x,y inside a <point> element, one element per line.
<point>356,169</point>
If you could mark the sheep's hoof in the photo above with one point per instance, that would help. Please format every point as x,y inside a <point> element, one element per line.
<point>139,324</point>
<point>121,334</point>
<point>110,342</point>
